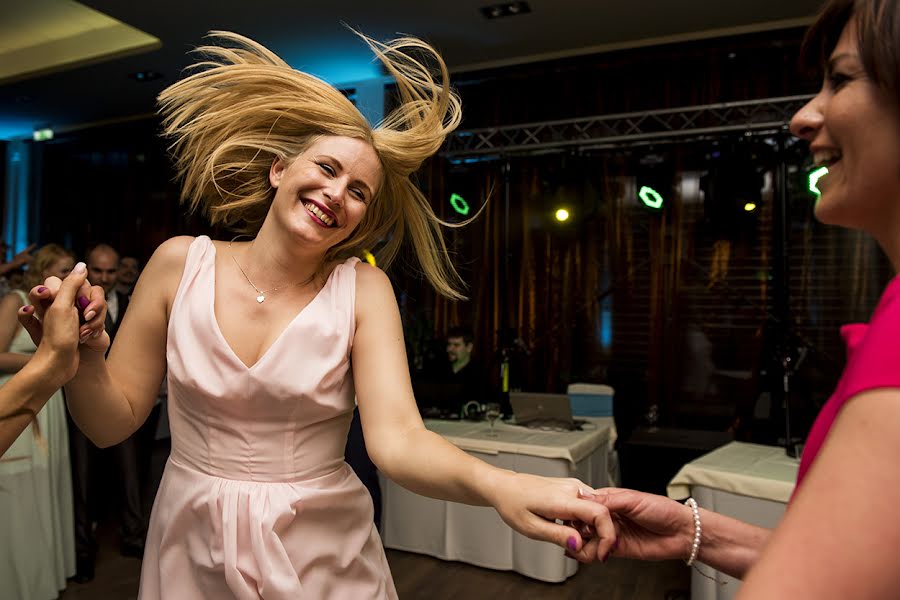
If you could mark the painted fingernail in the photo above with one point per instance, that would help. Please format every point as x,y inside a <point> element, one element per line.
<point>572,543</point>
<point>90,315</point>
<point>83,302</point>
<point>27,309</point>
<point>79,268</point>
<point>41,290</point>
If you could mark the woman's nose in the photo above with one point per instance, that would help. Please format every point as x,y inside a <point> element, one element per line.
<point>807,121</point>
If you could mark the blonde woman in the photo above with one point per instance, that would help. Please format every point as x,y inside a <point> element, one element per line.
<point>267,339</point>
<point>38,549</point>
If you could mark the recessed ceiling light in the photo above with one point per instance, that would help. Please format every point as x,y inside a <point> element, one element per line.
<point>143,76</point>
<point>506,9</point>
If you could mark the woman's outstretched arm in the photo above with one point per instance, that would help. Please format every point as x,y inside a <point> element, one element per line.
<point>424,462</point>
<point>54,362</point>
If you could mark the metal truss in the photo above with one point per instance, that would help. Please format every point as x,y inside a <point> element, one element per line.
<point>751,117</point>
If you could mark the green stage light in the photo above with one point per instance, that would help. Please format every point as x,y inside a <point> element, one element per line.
<point>42,135</point>
<point>749,206</point>
<point>650,197</point>
<point>459,204</point>
<point>814,178</point>
<point>562,215</point>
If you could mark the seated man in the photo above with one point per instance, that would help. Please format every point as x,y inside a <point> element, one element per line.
<point>465,374</point>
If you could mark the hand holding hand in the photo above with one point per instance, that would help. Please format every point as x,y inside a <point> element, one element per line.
<point>649,527</point>
<point>532,505</point>
<point>91,302</point>
<point>57,332</point>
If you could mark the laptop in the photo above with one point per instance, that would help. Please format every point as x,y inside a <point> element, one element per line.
<point>439,400</point>
<point>552,412</point>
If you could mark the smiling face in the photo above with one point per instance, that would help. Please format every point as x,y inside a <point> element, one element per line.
<point>853,128</point>
<point>322,195</point>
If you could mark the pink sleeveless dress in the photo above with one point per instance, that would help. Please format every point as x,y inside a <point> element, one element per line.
<point>256,500</point>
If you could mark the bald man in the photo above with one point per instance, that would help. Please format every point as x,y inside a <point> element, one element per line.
<point>127,462</point>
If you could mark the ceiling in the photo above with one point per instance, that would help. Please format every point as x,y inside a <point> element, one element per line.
<point>69,91</point>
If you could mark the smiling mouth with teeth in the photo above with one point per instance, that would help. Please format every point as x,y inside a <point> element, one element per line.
<point>319,213</point>
<point>826,158</point>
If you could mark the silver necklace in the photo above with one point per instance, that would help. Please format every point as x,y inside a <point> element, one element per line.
<point>260,294</point>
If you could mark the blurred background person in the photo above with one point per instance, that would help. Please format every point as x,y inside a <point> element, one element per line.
<point>129,271</point>
<point>8,267</point>
<point>119,473</point>
<point>36,526</point>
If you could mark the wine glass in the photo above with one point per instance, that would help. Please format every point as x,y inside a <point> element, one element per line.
<point>492,412</point>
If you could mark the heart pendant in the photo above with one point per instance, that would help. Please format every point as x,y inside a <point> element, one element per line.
<point>261,298</point>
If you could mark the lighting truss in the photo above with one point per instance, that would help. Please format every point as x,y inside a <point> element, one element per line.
<point>751,117</point>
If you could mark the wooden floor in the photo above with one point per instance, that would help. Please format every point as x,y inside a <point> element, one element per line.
<point>417,576</point>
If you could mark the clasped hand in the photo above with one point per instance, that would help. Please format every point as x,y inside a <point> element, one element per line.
<point>534,506</point>
<point>65,315</point>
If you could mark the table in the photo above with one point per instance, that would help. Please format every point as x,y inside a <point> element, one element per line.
<point>477,535</point>
<point>749,482</point>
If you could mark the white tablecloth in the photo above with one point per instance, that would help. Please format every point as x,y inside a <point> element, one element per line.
<point>477,535</point>
<point>749,482</point>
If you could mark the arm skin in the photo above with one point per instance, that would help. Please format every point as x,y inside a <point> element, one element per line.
<point>839,537</point>
<point>10,362</point>
<point>20,259</point>
<point>653,527</point>
<point>56,359</point>
<point>109,399</point>
<point>424,462</point>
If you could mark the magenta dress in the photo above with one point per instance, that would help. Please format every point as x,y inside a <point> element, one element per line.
<point>256,500</point>
<point>873,361</point>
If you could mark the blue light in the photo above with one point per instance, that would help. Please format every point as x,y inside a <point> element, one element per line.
<point>606,329</point>
<point>338,65</point>
<point>12,128</point>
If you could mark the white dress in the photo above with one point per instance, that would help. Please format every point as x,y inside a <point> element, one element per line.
<point>37,537</point>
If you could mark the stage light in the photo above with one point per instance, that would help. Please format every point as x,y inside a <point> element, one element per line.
<point>370,258</point>
<point>562,215</point>
<point>654,180</point>
<point>42,135</point>
<point>650,197</point>
<point>749,206</point>
<point>814,178</point>
<point>459,204</point>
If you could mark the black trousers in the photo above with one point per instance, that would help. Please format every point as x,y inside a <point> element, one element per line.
<point>357,457</point>
<point>122,470</point>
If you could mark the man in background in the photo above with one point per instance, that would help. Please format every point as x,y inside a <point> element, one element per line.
<point>465,374</point>
<point>129,271</point>
<point>126,460</point>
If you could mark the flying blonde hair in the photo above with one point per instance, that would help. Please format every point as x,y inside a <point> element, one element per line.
<point>245,107</point>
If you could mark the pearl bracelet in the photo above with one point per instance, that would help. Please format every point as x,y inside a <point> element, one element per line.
<point>695,545</point>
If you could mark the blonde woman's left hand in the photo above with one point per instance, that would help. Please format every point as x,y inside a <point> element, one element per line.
<point>532,505</point>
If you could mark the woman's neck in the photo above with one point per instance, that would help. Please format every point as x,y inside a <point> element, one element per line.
<point>888,238</point>
<point>271,259</point>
